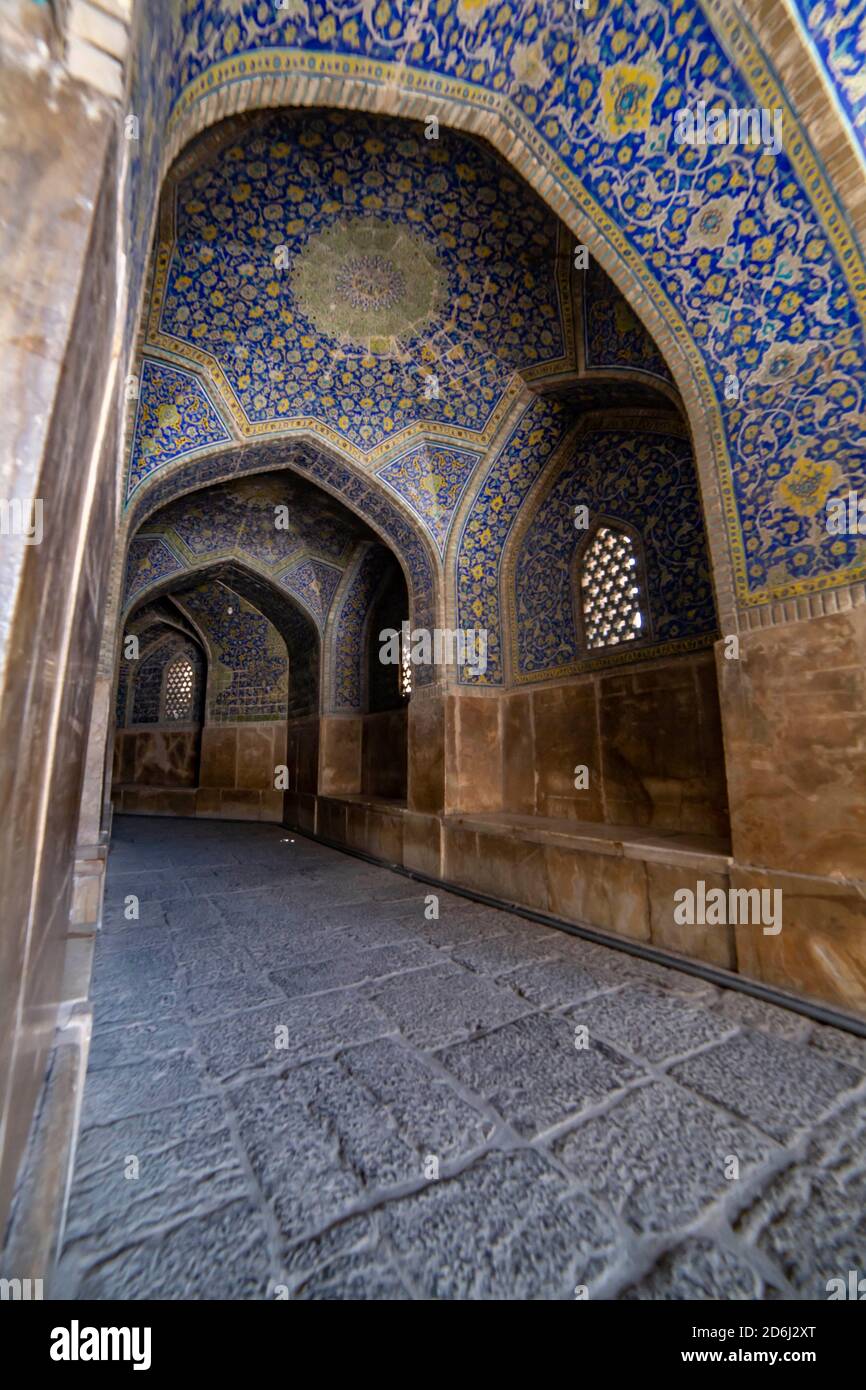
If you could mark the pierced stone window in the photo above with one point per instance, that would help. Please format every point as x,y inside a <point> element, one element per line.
<point>610,590</point>
<point>177,697</point>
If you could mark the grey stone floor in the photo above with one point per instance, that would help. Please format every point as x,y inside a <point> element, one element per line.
<point>285,1049</point>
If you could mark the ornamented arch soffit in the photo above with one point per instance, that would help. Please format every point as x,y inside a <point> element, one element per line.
<point>296,539</point>
<point>739,254</point>
<point>341,272</point>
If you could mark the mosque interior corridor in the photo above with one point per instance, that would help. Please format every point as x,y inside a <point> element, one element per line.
<point>292,1046</point>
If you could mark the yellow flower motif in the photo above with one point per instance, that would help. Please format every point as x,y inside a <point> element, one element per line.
<point>763,248</point>
<point>627,94</point>
<point>807,486</point>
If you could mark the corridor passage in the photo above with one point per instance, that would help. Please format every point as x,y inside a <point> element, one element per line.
<point>302,1086</point>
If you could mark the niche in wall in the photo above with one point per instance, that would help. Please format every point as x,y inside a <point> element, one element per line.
<point>384,758</point>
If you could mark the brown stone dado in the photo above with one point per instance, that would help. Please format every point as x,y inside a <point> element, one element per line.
<point>302,755</point>
<point>473,753</point>
<point>599,890</point>
<point>216,803</point>
<point>384,754</point>
<point>219,756</point>
<point>231,777</point>
<point>157,757</point>
<point>340,755</point>
<point>426,754</point>
<point>640,747</point>
<point>715,944</point>
<point>260,752</point>
<point>622,881</point>
<point>565,737</point>
<point>821,948</point>
<point>422,843</point>
<point>661,747</point>
<point>794,708</point>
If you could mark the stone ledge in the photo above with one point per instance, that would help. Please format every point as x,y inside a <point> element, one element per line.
<point>619,880</point>
<point>623,841</point>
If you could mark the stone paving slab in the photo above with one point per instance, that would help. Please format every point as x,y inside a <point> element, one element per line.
<point>649,1022</point>
<point>288,1033</point>
<point>329,1094</point>
<point>660,1156</point>
<point>780,1086</point>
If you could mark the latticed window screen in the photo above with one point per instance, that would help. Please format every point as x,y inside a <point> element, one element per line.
<point>178,690</point>
<point>610,590</point>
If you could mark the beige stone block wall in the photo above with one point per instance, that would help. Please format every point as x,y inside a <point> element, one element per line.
<point>649,736</point>
<point>794,709</point>
<point>157,757</point>
<point>715,944</point>
<point>821,949</point>
<point>226,770</point>
<point>426,754</point>
<point>58,367</point>
<point>340,755</point>
<point>604,891</point>
<point>384,754</point>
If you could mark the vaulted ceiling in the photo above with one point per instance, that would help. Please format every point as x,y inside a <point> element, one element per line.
<point>740,257</point>
<point>345,272</point>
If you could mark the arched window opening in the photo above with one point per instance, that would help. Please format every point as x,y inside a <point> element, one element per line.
<point>405,676</point>
<point>389,683</point>
<point>178,691</point>
<point>610,589</point>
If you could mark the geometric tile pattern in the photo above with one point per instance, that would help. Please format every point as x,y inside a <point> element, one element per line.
<point>150,558</point>
<point>432,479</point>
<point>610,593</point>
<point>486,528</point>
<point>250,676</point>
<point>147,679</point>
<point>319,269</point>
<point>348,681</point>
<point>315,583</point>
<point>174,417</point>
<point>613,335</point>
<point>835,29</point>
<point>358,494</point>
<point>269,520</point>
<point>741,248</point>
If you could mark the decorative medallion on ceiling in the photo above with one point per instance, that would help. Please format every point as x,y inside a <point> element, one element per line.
<point>369,283</point>
<point>342,274</point>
